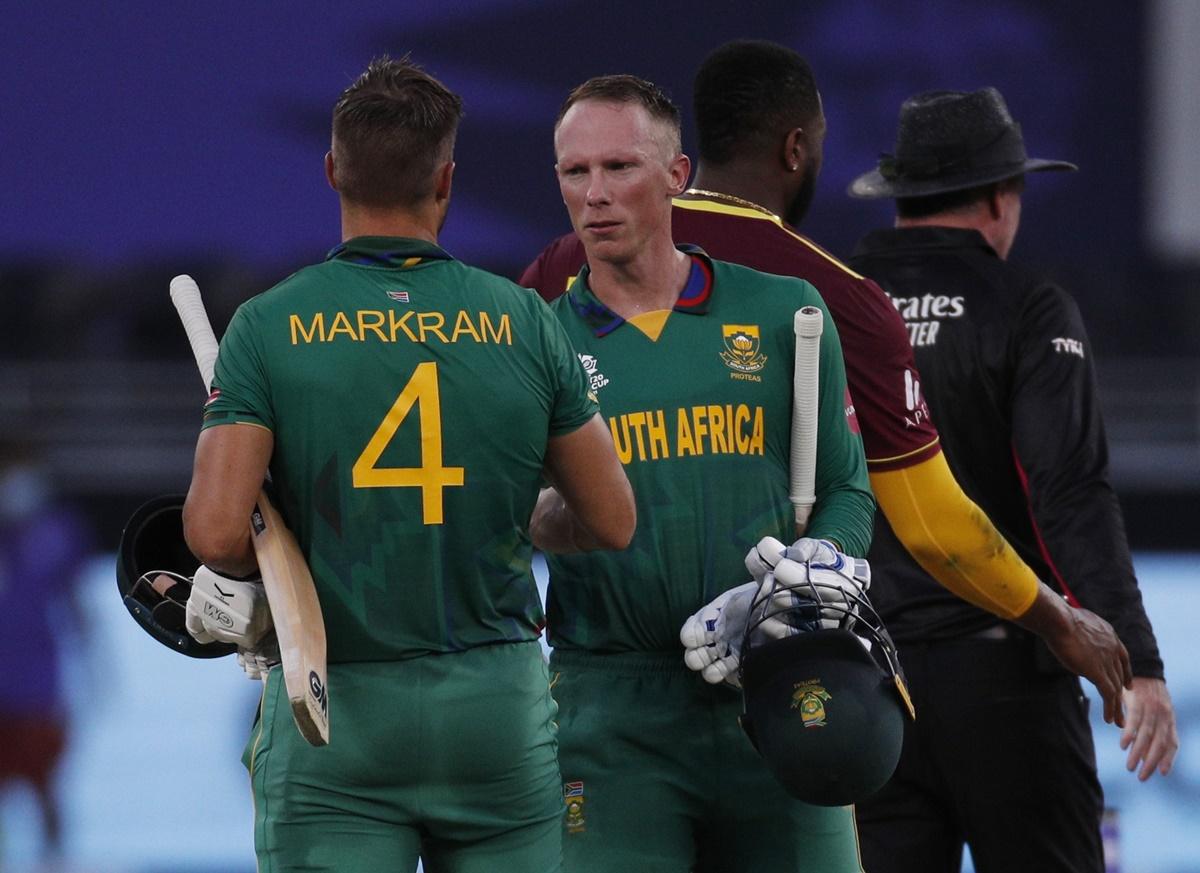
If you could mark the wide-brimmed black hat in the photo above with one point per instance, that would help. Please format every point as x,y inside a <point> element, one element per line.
<point>948,141</point>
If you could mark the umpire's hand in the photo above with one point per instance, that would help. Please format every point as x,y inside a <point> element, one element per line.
<point>1150,733</point>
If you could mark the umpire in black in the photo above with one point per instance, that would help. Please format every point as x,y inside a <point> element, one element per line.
<point>1000,756</point>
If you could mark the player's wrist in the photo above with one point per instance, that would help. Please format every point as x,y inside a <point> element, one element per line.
<point>555,527</point>
<point>1049,616</point>
<point>238,563</point>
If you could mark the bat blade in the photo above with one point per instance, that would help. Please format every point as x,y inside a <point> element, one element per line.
<point>291,593</point>
<point>808,324</point>
<point>299,625</point>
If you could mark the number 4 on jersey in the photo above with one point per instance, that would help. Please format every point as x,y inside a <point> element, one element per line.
<point>431,477</point>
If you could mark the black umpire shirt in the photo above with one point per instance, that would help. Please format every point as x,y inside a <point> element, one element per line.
<point>1006,367</point>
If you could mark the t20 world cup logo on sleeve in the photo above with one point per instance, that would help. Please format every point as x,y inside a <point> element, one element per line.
<point>596,379</point>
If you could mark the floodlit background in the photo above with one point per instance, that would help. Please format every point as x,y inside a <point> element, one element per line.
<point>141,140</point>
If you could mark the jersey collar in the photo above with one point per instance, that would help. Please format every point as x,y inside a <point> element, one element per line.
<point>387,251</point>
<point>693,299</point>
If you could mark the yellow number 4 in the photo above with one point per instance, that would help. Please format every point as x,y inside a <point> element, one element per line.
<point>431,477</point>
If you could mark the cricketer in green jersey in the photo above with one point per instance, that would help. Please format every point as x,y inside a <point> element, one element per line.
<point>692,360</point>
<point>408,407</point>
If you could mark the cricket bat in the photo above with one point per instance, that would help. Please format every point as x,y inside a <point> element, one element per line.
<point>286,577</point>
<point>808,323</point>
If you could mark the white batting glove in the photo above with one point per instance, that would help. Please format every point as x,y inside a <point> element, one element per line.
<point>770,554</point>
<point>762,559</point>
<point>806,550</point>
<point>840,581</point>
<point>712,638</point>
<point>257,662</point>
<point>227,610</point>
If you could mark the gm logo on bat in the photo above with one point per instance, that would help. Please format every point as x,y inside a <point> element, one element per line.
<point>317,689</point>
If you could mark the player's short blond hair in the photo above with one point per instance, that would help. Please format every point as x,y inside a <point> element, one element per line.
<point>624,88</point>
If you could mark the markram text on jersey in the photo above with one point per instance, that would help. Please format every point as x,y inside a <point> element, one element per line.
<point>689,430</point>
<point>373,325</point>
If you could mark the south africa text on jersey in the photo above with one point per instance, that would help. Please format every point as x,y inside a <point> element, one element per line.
<point>373,325</point>
<point>689,430</point>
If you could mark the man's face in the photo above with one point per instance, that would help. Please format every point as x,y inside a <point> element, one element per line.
<point>815,141</point>
<point>617,170</point>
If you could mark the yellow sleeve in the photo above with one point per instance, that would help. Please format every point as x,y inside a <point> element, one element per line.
<point>952,539</point>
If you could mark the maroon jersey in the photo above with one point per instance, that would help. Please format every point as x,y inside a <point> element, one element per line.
<point>886,389</point>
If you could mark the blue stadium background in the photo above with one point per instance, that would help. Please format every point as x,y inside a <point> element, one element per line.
<point>140,141</point>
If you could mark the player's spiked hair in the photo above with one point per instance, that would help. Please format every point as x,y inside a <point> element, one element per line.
<point>392,128</point>
<point>747,94</point>
<point>624,88</point>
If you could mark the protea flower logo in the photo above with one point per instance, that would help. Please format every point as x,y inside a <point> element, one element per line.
<point>743,348</point>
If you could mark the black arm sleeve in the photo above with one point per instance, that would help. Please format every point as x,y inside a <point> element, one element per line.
<point>1060,445</point>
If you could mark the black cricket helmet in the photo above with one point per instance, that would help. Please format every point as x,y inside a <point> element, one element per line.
<point>823,691</point>
<point>154,576</point>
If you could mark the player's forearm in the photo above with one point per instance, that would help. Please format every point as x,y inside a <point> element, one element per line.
<point>845,507</point>
<point>846,517</point>
<point>555,528</point>
<point>231,553</point>
<point>215,542</point>
<point>230,465</point>
<point>952,539</point>
<point>591,504</point>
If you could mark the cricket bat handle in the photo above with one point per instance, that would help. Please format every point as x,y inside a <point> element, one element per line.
<point>808,324</point>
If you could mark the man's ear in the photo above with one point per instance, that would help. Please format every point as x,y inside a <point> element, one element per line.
<point>995,201</point>
<point>443,182</point>
<point>794,150</point>
<point>329,170</point>
<point>680,170</point>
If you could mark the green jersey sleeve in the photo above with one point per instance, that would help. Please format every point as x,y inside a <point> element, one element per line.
<point>240,392</point>
<point>574,403</point>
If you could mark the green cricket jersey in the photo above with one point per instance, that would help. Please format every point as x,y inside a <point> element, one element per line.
<point>410,398</point>
<point>701,418</point>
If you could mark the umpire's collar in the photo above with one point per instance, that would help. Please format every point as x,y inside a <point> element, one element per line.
<point>693,299</point>
<point>387,251</point>
<point>923,236</point>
